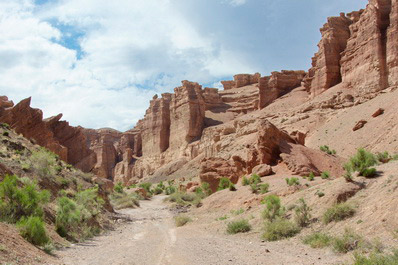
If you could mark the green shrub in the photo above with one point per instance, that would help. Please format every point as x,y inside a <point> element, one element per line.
<point>238,212</point>
<point>92,204</point>
<point>17,202</point>
<point>338,212</point>
<point>255,179</point>
<point>264,188</point>
<point>369,172</point>
<point>273,208</point>
<point>5,125</point>
<point>303,213</point>
<point>224,184</point>
<point>280,229</point>
<point>254,188</point>
<point>347,242</point>
<point>146,186</point>
<point>118,187</point>
<point>240,226</point>
<point>68,216</point>
<point>125,200</point>
<point>181,220</point>
<point>245,181</point>
<point>325,175</point>
<point>376,259</point>
<point>183,199</point>
<point>310,177</point>
<point>6,134</point>
<point>361,161</point>
<point>384,157</point>
<point>32,229</point>
<point>170,190</point>
<point>43,162</point>
<point>326,149</point>
<point>161,185</point>
<point>292,181</point>
<point>232,187</point>
<point>319,193</point>
<point>318,240</point>
<point>206,188</point>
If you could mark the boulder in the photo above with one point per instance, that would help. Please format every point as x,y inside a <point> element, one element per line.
<point>262,170</point>
<point>359,125</point>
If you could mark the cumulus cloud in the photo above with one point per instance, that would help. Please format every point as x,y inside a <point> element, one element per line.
<point>100,62</point>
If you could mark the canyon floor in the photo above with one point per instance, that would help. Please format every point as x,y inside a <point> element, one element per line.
<point>152,238</point>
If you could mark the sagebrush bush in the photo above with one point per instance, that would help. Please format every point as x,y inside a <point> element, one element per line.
<point>125,200</point>
<point>255,179</point>
<point>146,186</point>
<point>349,241</point>
<point>206,188</point>
<point>43,162</point>
<point>325,175</point>
<point>245,181</point>
<point>118,187</point>
<point>369,172</point>
<point>280,229</point>
<point>32,228</point>
<point>183,199</point>
<point>181,220</point>
<point>310,177</point>
<point>24,201</point>
<point>326,149</point>
<point>384,157</point>
<point>318,240</point>
<point>273,208</point>
<point>224,184</point>
<point>170,190</point>
<point>302,213</point>
<point>376,259</point>
<point>338,212</point>
<point>157,191</point>
<point>264,188</point>
<point>68,217</point>
<point>360,162</point>
<point>292,181</point>
<point>239,226</point>
<point>91,202</point>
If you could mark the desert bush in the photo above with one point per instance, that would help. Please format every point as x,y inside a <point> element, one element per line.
<point>239,226</point>
<point>264,188</point>
<point>254,188</point>
<point>43,162</point>
<point>161,185</point>
<point>146,186</point>
<point>68,216</point>
<point>318,240</point>
<point>32,229</point>
<point>292,181</point>
<point>125,200</point>
<point>118,187</point>
<point>273,208</point>
<point>383,157</point>
<point>338,212</point>
<point>6,134</point>
<point>361,161</point>
<point>369,172</point>
<point>245,181</point>
<point>325,175</point>
<point>206,188</point>
<point>347,242</point>
<point>310,177</point>
<point>280,229</point>
<point>326,149</point>
<point>303,213</point>
<point>232,187</point>
<point>170,190</point>
<point>255,179</point>
<point>24,201</point>
<point>319,193</point>
<point>224,184</point>
<point>181,220</point>
<point>184,199</point>
<point>91,202</point>
<point>376,259</point>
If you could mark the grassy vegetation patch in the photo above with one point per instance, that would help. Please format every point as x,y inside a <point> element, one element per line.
<point>318,240</point>
<point>181,220</point>
<point>239,226</point>
<point>338,212</point>
<point>280,229</point>
<point>125,200</point>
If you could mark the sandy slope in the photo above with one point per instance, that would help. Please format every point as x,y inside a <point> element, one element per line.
<point>152,238</point>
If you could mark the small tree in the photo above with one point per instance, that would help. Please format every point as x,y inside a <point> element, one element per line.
<point>273,208</point>
<point>303,215</point>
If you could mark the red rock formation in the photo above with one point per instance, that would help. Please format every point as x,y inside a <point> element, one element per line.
<point>325,71</point>
<point>278,84</point>
<point>363,63</point>
<point>241,80</point>
<point>392,45</point>
<point>155,131</point>
<point>187,113</point>
<point>212,98</point>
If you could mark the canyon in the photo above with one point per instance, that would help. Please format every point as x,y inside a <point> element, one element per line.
<point>183,133</point>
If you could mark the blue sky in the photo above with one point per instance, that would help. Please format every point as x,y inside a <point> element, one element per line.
<point>99,62</point>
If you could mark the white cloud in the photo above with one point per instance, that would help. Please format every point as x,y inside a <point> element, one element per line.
<point>237,2</point>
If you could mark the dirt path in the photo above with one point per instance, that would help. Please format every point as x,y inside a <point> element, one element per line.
<point>152,238</point>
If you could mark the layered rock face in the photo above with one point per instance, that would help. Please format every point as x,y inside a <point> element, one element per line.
<point>241,80</point>
<point>278,84</point>
<point>325,71</point>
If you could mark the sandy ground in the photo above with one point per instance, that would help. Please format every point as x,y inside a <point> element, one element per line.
<point>152,238</point>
